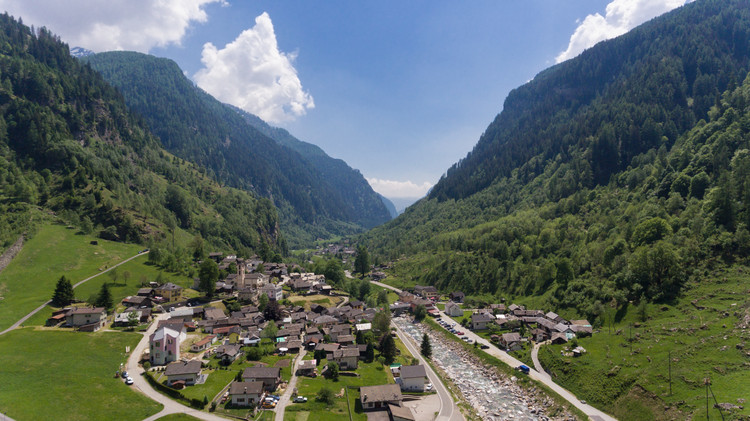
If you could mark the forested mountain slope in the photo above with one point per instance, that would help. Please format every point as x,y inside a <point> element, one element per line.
<point>612,177</point>
<point>69,144</point>
<point>308,190</point>
<point>359,196</point>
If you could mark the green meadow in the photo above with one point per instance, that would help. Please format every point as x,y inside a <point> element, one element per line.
<point>53,251</point>
<point>62,375</point>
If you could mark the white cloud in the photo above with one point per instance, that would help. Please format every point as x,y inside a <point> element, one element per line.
<point>251,73</point>
<point>404,189</point>
<point>620,17</point>
<point>105,25</point>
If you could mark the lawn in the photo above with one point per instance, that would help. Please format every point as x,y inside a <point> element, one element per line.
<point>219,378</point>
<point>137,271</point>
<point>369,374</point>
<point>30,279</point>
<point>701,333</point>
<point>68,375</point>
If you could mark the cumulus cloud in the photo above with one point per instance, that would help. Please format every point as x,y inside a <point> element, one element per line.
<point>399,189</point>
<point>105,25</point>
<point>620,17</point>
<point>251,73</point>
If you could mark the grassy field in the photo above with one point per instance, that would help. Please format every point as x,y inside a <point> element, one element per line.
<point>55,375</point>
<point>54,251</point>
<point>705,334</point>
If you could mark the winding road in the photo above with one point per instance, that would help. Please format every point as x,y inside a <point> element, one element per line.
<point>140,383</point>
<point>541,377</point>
<point>38,309</point>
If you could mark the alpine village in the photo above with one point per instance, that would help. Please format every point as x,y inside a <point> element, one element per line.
<point>166,256</point>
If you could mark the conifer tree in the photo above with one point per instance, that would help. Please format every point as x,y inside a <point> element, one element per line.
<point>105,297</point>
<point>64,294</point>
<point>426,346</point>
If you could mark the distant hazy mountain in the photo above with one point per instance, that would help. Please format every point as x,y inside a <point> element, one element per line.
<point>341,176</point>
<point>389,205</point>
<point>316,195</point>
<point>80,52</point>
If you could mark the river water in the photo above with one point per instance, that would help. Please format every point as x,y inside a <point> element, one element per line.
<point>494,398</point>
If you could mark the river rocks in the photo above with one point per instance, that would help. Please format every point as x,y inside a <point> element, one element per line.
<point>492,395</point>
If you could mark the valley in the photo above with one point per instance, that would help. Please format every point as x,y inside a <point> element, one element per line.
<point>170,255</point>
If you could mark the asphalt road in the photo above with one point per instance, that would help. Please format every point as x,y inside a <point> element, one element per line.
<point>139,382</point>
<point>287,396</point>
<point>449,411</point>
<point>541,377</point>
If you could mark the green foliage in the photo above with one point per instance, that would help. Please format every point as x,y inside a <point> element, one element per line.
<point>270,330</point>
<point>596,193</point>
<point>104,299</point>
<point>64,294</point>
<point>362,261</point>
<point>420,312</point>
<point>426,347</point>
<point>316,195</point>
<point>208,274</point>
<point>388,348</point>
<point>381,323</point>
<point>333,370</point>
<point>263,302</point>
<point>68,143</point>
<point>325,395</point>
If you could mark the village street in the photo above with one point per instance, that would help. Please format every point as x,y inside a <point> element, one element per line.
<point>542,377</point>
<point>287,396</point>
<point>140,383</point>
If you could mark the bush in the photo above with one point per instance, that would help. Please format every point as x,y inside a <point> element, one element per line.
<point>147,365</point>
<point>325,395</point>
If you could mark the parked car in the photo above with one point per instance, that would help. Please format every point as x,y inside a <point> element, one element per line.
<point>483,346</point>
<point>524,368</point>
<point>459,333</point>
<point>124,375</point>
<point>428,387</point>
<point>129,381</point>
<point>300,399</point>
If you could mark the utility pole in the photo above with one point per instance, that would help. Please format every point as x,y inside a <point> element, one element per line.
<point>706,382</point>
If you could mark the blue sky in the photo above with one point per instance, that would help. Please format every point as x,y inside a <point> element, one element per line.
<point>399,90</point>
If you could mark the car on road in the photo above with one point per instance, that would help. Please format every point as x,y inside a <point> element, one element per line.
<point>129,381</point>
<point>524,368</point>
<point>428,387</point>
<point>124,375</point>
<point>300,399</point>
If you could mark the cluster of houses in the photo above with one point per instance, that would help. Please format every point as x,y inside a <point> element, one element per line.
<point>328,331</point>
<point>541,326</point>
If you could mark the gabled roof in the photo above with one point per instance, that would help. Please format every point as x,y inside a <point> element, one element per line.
<point>412,371</point>
<point>168,287</point>
<point>511,337</point>
<point>246,388</point>
<point>481,317</point>
<point>381,393</point>
<point>346,352</point>
<point>183,367</point>
<point>261,372</point>
<point>86,310</point>
<point>164,332</point>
